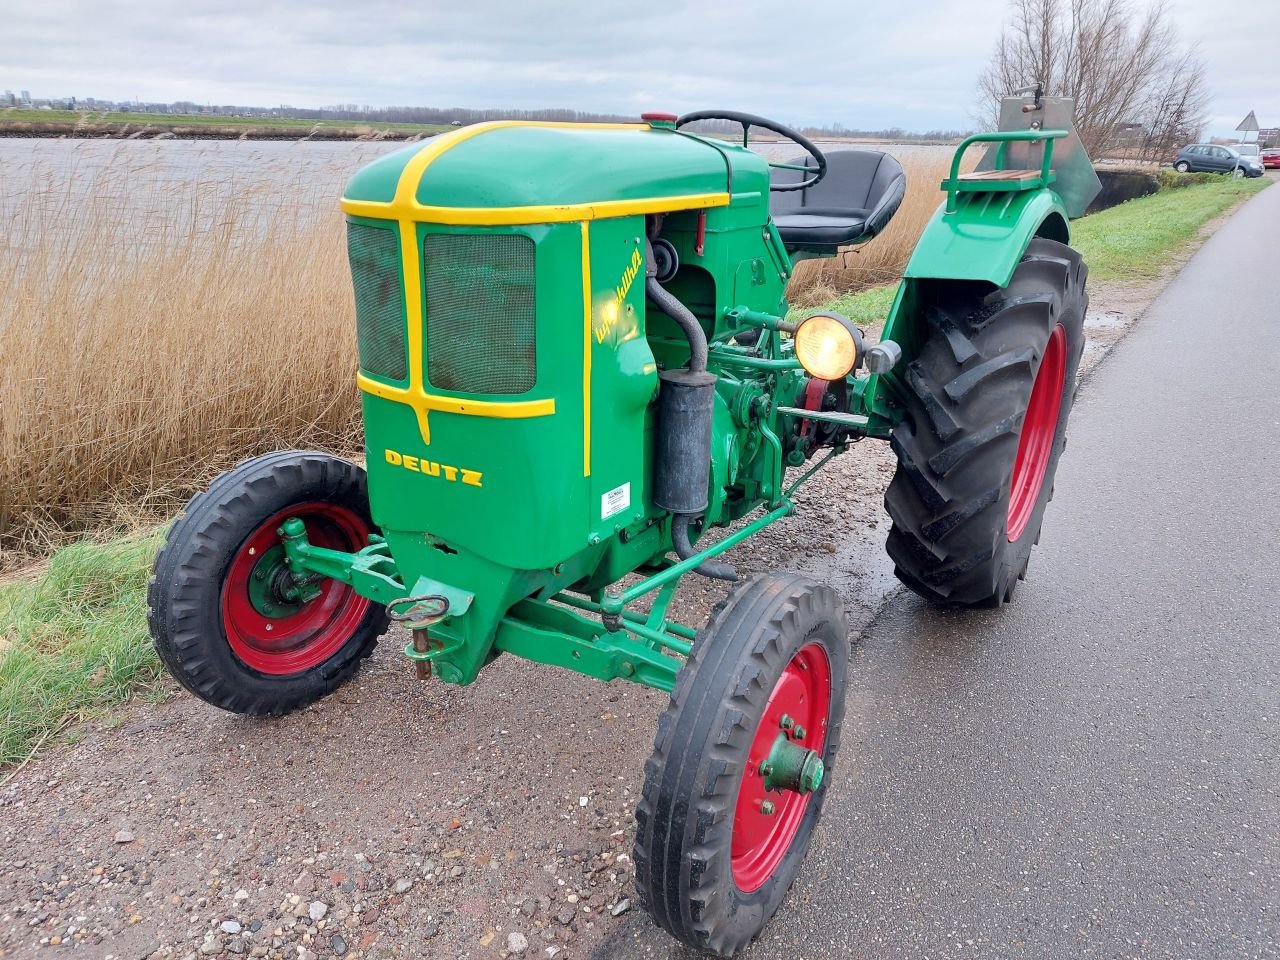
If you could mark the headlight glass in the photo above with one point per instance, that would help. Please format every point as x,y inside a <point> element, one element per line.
<point>828,346</point>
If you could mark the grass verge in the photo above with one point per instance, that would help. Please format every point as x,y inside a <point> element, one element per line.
<point>866,308</point>
<point>74,641</point>
<point>1134,240</point>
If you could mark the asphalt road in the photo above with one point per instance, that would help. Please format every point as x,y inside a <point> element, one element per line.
<point>1093,771</point>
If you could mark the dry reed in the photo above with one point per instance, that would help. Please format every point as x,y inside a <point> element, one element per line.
<point>881,260</point>
<point>153,331</point>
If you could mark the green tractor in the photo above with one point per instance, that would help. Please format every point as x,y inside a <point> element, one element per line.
<point>575,360</point>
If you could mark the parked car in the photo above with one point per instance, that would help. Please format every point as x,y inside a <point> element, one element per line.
<point>1214,158</point>
<point>1271,156</point>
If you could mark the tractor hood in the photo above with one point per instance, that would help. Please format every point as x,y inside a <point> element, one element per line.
<point>509,165</point>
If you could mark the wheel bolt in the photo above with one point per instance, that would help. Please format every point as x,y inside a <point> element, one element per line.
<point>766,768</point>
<point>767,808</point>
<point>798,732</point>
<point>786,723</point>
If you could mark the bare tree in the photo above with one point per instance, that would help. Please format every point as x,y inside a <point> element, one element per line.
<point>1175,114</point>
<point>1126,70</point>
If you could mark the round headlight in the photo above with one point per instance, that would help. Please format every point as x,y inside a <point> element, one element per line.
<point>828,346</point>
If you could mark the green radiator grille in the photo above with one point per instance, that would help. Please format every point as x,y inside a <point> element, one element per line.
<point>480,313</point>
<point>380,326</point>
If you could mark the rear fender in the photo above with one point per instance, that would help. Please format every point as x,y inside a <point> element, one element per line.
<point>985,237</point>
<point>983,241</point>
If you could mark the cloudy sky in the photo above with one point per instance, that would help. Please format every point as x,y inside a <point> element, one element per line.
<point>869,65</point>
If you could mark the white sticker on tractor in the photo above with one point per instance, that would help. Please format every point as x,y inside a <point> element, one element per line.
<point>615,501</point>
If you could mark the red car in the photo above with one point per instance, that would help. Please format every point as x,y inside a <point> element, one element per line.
<point>1271,156</point>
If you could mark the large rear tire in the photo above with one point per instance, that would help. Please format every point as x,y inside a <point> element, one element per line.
<point>720,836</point>
<point>218,614</point>
<point>987,405</point>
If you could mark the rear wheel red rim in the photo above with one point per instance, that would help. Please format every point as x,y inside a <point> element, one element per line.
<point>761,841</point>
<point>312,633</point>
<point>1039,428</point>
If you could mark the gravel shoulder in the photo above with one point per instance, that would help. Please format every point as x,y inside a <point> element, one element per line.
<point>396,818</point>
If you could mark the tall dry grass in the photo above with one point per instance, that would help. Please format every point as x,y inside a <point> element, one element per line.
<point>881,260</point>
<point>154,330</point>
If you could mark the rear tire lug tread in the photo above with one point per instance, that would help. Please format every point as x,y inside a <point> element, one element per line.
<point>949,492</point>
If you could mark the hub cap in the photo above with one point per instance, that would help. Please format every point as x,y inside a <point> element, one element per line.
<point>783,767</point>
<point>267,629</point>
<point>1039,427</point>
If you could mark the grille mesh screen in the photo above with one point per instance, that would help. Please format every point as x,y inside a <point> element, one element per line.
<point>380,326</point>
<point>480,313</point>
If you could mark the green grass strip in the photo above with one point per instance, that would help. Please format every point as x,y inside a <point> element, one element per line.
<point>866,308</point>
<point>75,640</point>
<point>1135,240</point>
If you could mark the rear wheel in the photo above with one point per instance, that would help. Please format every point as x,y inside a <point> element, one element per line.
<point>737,778</point>
<point>987,404</point>
<point>224,613</point>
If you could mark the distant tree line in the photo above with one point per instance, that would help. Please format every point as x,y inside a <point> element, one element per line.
<point>358,114</point>
<point>732,129</point>
<point>445,114</point>
<point>1138,88</point>
<point>355,113</point>
<point>896,134</point>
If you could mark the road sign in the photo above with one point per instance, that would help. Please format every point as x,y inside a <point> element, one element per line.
<point>1249,124</point>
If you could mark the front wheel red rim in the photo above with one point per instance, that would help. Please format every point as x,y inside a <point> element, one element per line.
<point>306,636</point>
<point>761,840</point>
<point>1039,429</point>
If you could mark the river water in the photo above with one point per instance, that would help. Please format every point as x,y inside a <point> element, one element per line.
<point>316,168</point>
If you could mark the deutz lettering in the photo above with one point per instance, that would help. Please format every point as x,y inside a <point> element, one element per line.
<point>471,478</point>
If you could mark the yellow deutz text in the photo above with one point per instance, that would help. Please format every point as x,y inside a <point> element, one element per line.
<point>604,322</point>
<point>471,478</point>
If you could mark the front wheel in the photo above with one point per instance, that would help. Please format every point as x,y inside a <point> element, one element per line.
<point>741,762</point>
<point>1182,166</point>
<point>224,613</point>
<point>987,401</point>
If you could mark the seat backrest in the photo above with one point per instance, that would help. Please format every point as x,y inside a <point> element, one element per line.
<point>855,180</point>
<point>863,184</point>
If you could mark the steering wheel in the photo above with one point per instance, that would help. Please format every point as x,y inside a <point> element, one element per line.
<point>749,120</point>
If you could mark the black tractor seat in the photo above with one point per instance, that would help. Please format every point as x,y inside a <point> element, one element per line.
<point>852,203</point>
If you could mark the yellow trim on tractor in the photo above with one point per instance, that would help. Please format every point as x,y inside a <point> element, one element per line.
<point>586,349</point>
<point>558,213</point>
<point>408,212</point>
<point>423,402</point>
